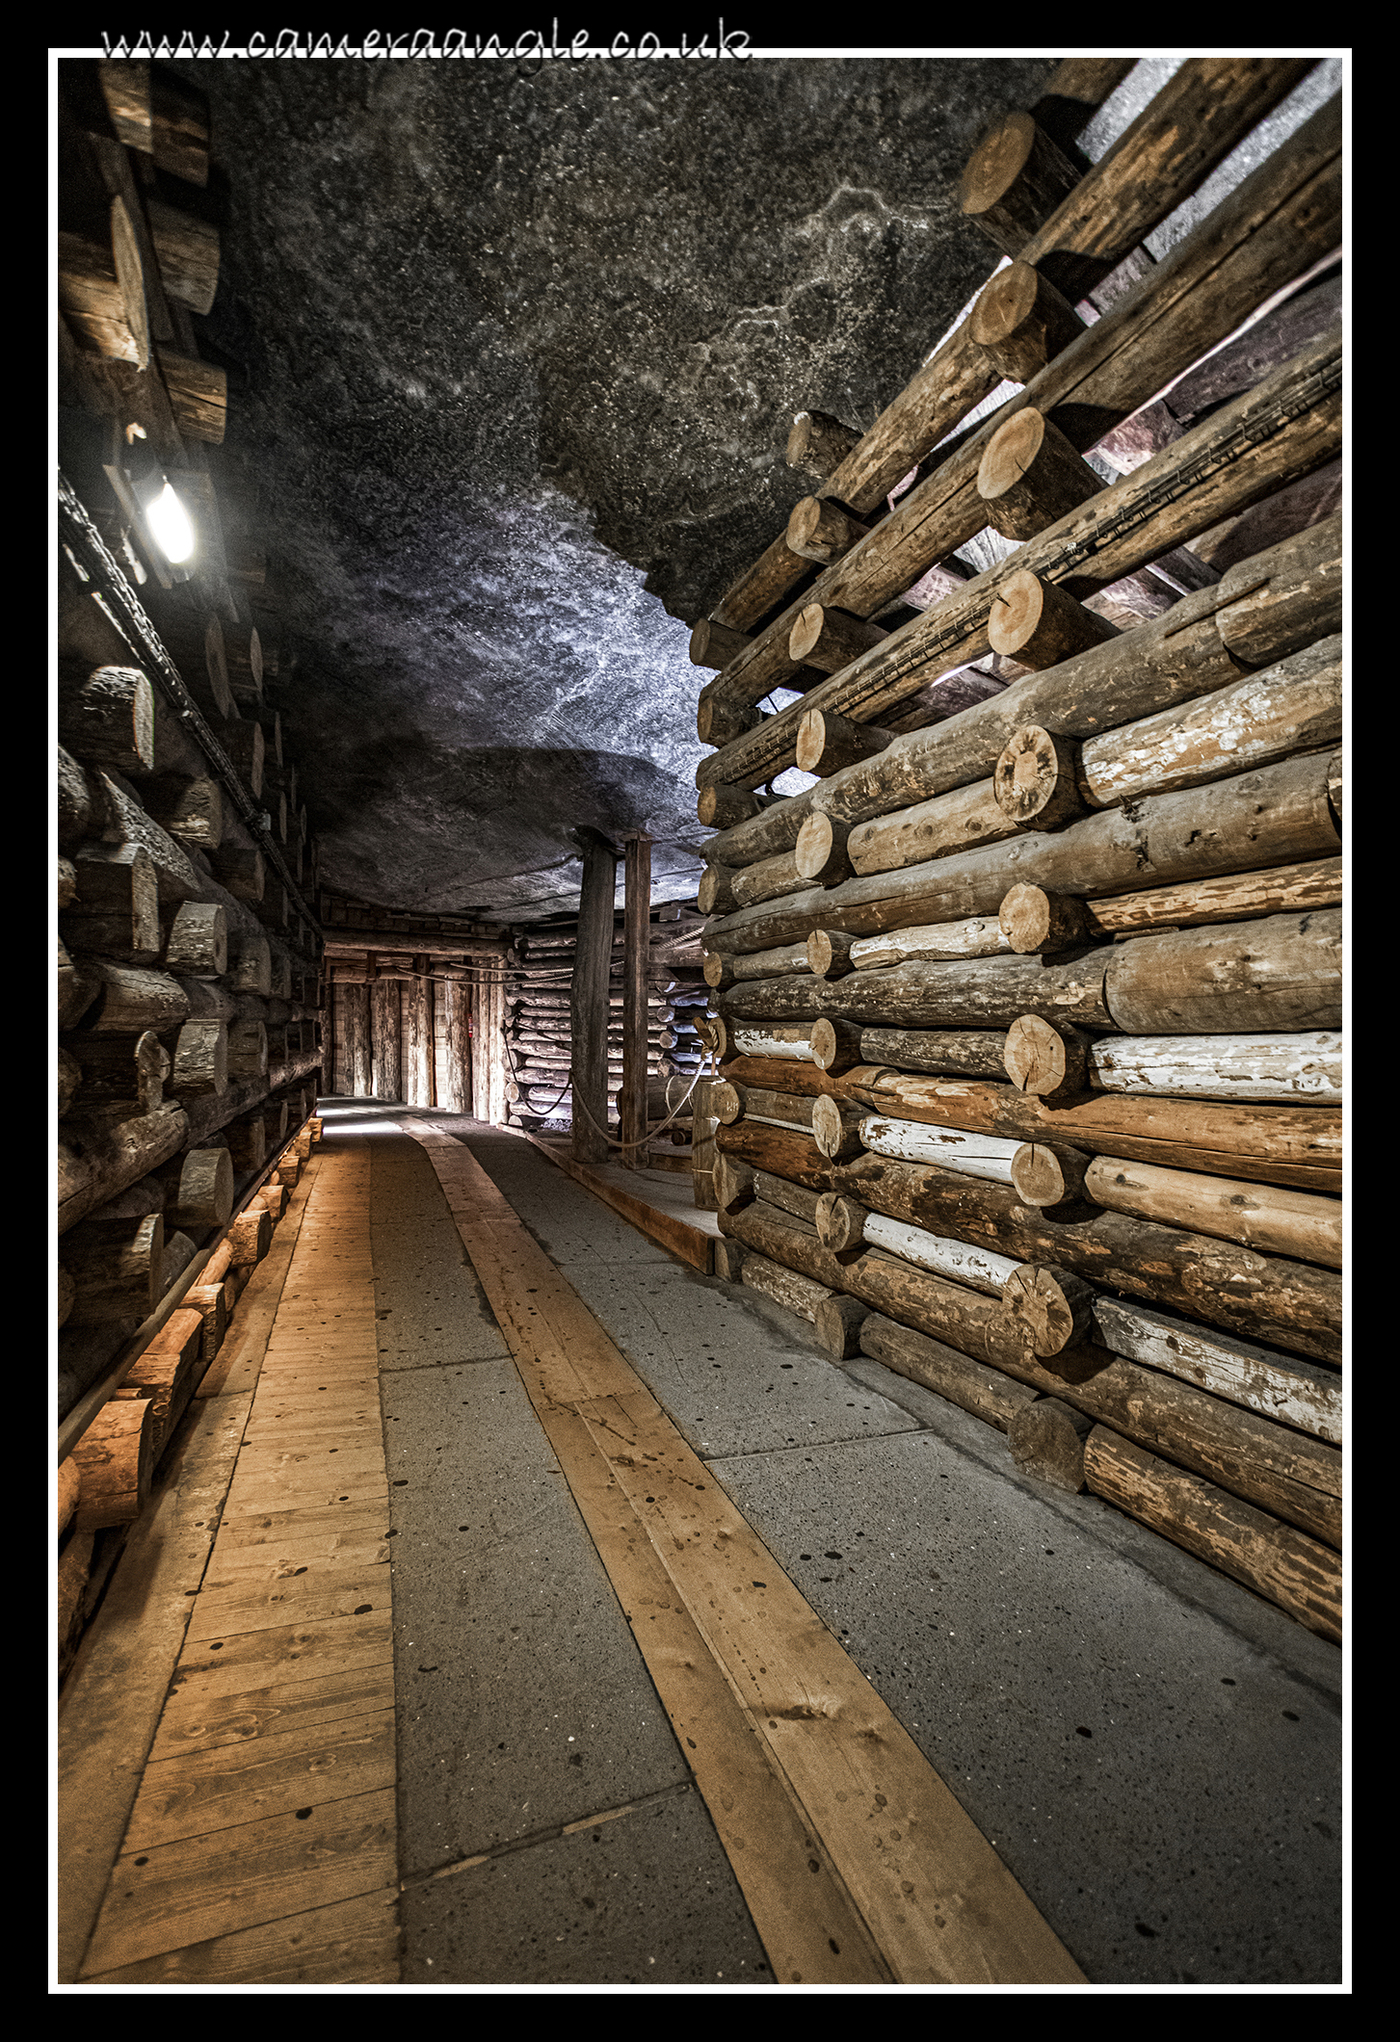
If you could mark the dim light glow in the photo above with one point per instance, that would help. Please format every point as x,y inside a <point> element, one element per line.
<point>170,527</point>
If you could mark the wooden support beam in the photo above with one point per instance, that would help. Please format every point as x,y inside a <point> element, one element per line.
<point>589,998</point>
<point>632,1101</point>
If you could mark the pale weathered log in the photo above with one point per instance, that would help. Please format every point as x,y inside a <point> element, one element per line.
<point>820,857</point>
<point>1234,897</point>
<point>1280,1386</point>
<point>842,1223</point>
<point>972,1154</point>
<point>951,822</point>
<point>1293,706</point>
<point>1292,1305</point>
<point>795,1293</point>
<point>1296,1572</point>
<point>1280,1067</point>
<point>1276,1220</point>
<point>1294,1145</point>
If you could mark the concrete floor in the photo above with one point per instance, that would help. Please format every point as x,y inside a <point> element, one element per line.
<point>1154,1751</point>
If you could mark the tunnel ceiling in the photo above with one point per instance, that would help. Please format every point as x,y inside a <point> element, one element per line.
<point>512,361</point>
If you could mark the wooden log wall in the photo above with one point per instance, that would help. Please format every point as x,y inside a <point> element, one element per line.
<point>417,1008</point>
<point>539,1038</point>
<point>1029,1007</point>
<point>190,1003</point>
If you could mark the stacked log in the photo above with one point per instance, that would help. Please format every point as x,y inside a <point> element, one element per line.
<point>1029,1009</point>
<point>189,1007</point>
<point>539,1038</point>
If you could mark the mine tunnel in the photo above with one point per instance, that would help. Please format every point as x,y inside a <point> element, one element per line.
<point>699,1044</point>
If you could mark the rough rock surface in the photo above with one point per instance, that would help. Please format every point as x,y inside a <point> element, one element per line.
<point>512,362</point>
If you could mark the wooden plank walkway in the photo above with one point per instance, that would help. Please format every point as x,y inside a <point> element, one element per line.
<point>262,1846</point>
<point>857,1862</point>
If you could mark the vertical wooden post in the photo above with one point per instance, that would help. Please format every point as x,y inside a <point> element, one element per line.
<point>589,998</point>
<point>384,1038</point>
<point>702,1147</point>
<point>632,1100</point>
<point>457,1050</point>
<point>418,1062</point>
<point>491,1048</point>
<point>330,1046</point>
<point>426,991</point>
<point>357,1045</point>
<point>480,1108</point>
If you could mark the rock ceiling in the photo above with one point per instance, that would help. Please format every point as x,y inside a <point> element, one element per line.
<point>512,360</point>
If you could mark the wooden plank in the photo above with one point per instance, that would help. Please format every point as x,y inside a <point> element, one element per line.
<point>182,1893</point>
<point>937,1901</point>
<point>198,1721</point>
<point>808,1924</point>
<point>235,1608</point>
<point>351,1942</point>
<point>252,1660</point>
<point>197,1793</point>
<point>273,1489</point>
